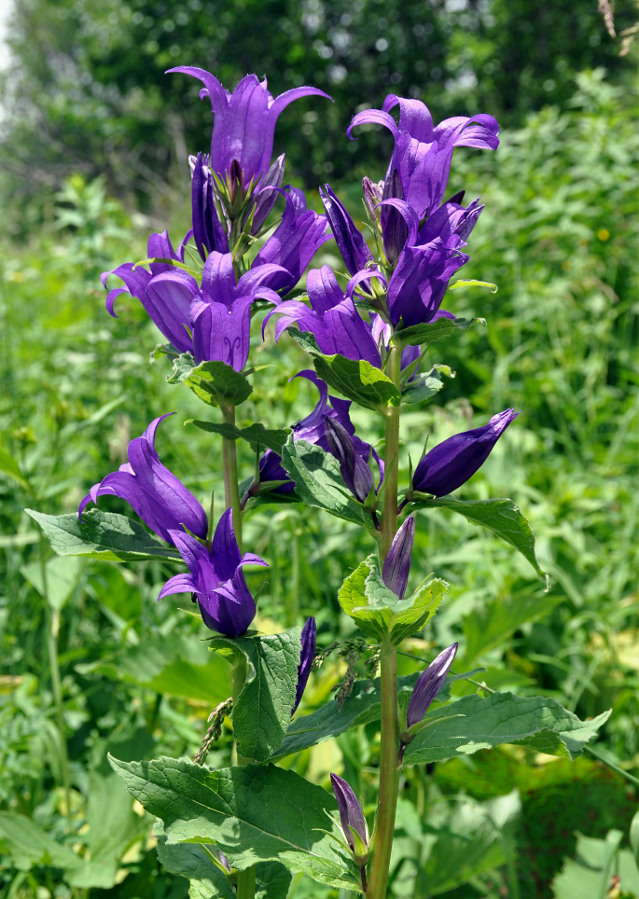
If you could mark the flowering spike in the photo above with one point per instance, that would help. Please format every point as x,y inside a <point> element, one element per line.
<point>429,684</point>
<point>451,463</point>
<point>307,653</point>
<point>350,813</point>
<point>397,562</point>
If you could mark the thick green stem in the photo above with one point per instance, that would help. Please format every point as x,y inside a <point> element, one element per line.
<point>389,748</point>
<point>231,482</point>
<point>388,776</point>
<point>245,879</point>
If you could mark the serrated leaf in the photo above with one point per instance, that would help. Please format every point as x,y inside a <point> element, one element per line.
<point>216,383</point>
<point>360,707</point>
<point>416,335</point>
<point>501,516</point>
<point>252,814</point>
<point>379,612</point>
<point>256,434</point>
<point>422,387</point>
<point>101,535</point>
<point>536,721</point>
<point>318,481</point>
<point>357,380</point>
<point>262,712</point>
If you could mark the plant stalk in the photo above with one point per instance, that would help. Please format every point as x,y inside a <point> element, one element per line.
<point>245,879</point>
<point>231,481</point>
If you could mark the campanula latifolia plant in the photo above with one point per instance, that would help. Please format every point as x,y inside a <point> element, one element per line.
<point>367,325</point>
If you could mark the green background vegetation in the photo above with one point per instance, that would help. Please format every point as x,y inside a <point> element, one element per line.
<point>92,158</point>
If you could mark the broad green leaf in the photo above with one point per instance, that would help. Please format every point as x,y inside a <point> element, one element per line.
<point>173,664</point>
<point>416,335</point>
<point>273,881</point>
<point>256,434</point>
<point>501,516</point>
<point>425,386</point>
<point>101,535</point>
<point>27,844</point>
<point>379,612</point>
<point>62,576</point>
<point>536,721</point>
<point>191,860</point>
<point>262,712</point>
<point>357,380</point>
<point>216,383</point>
<point>318,481</point>
<point>252,814</point>
<point>360,707</point>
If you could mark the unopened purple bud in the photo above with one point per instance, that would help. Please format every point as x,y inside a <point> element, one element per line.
<point>354,470</point>
<point>394,228</point>
<point>349,240</point>
<point>451,463</point>
<point>429,684</point>
<point>350,811</point>
<point>397,562</point>
<point>372,195</point>
<point>307,653</point>
<point>267,193</point>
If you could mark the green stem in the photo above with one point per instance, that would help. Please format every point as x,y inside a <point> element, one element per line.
<point>389,746</point>
<point>245,879</point>
<point>231,483</point>
<point>53,625</point>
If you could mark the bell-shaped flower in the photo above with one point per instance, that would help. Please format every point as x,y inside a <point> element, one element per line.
<point>354,468</point>
<point>428,685</point>
<point>152,491</point>
<point>294,242</point>
<point>215,578</point>
<point>423,151</point>
<point>350,241</point>
<point>307,654</point>
<point>397,562</point>
<point>333,319</point>
<point>352,819</point>
<point>244,121</point>
<point>451,463</point>
<point>168,306</point>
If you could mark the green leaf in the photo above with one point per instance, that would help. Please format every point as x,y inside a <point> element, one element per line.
<point>318,481</point>
<point>273,880</point>
<point>62,577</point>
<point>425,386</point>
<point>216,383</point>
<point>379,612</point>
<point>357,380</point>
<point>501,516</point>
<point>473,283</point>
<point>101,535</point>
<point>256,434</point>
<point>10,468</point>
<point>415,335</point>
<point>360,707</point>
<point>252,814</point>
<point>262,712</point>
<point>595,862</point>
<point>191,860</point>
<point>536,721</point>
<point>27,844</point>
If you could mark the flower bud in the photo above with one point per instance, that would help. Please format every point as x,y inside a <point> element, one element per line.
<point>429,684</point>
<point>397,562</point>
<point>352,819</point>
<point>307,653</point>
<point>354,470</point>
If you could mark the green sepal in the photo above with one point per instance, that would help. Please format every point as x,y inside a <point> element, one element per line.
<point>262,711</point>
<point>360,849</point>
<point>259,437</point>
<point>415,335</point>
<point>379,612</point>
<point>101,535</point>
<point>215,383</point>
<point>501,516</point>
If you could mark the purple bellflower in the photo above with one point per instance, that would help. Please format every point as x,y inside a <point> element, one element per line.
<point>244,121</point>
<point>333,319</point>
<point>397,562</point>
<point>168,307</point>
<point>352,819</point>
<point>451,463</point>
<point>294,243</point>
<point>423,152</point>
<point>152,491</point>
<point>307,653</point>
<point>428,685</point>
<point>216,579</point>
